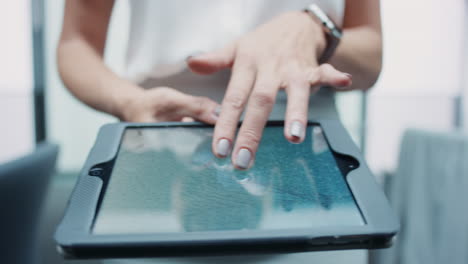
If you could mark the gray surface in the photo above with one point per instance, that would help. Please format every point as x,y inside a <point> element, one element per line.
<point>429,193</point>
<point>324,257</point>
<point>57,198</point>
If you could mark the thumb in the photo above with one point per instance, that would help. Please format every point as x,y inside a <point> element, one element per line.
<point>214,61</point>
<point>200,108</point>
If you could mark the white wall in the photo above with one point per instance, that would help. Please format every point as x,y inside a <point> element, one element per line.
<point>464,73</point>
<point>70,123</point>
<point>423,44</point>
<point>16,80</point>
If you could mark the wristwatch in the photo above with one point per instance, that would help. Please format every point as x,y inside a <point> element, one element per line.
<point>332,32</point>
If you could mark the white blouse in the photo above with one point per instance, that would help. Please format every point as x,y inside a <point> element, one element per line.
<point>164,33</point>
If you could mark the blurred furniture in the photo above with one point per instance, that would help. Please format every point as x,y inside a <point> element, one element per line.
<point>23,184</point>
<point>429,192</point>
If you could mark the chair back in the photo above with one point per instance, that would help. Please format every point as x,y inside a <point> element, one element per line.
<point>23,185</point>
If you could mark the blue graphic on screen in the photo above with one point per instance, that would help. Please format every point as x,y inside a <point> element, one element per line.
<point>168,180</point>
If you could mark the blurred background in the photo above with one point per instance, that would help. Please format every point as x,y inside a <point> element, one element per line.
<point>423,86</point>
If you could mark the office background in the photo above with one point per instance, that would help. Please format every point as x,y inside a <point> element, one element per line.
<point>423,83</point>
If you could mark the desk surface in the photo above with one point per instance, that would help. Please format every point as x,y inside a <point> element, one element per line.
<point>327,257</point>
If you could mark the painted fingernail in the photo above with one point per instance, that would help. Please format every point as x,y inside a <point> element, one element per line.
<point>243,158</point>
<point>217,110</point>
<point>215,113</point>
<point>223,147</point>
<point>296,129</point>
<point>195,54</point>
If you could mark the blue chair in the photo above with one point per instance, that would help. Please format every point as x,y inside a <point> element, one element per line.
<point>23,185</point>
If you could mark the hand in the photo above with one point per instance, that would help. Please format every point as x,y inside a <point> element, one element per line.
<point>167,104</point>
<point>281,54</point>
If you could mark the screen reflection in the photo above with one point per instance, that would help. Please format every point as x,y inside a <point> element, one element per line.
<point>167,180</point>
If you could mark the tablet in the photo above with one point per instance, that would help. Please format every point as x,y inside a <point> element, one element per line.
<point>151,190</point>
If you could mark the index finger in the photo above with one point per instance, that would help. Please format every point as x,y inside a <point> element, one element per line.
<point>261,102</point>
<point>239,87</point>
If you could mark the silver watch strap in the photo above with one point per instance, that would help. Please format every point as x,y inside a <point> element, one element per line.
<point>333,34</point>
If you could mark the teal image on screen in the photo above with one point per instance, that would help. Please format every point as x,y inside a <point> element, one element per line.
<point>167,180</point>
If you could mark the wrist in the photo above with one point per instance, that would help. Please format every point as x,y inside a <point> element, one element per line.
<point>319,41</point>
<point>124,100</point>
<point>331,32</point>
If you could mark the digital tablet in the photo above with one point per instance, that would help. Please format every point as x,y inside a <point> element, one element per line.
<point>149,190</point>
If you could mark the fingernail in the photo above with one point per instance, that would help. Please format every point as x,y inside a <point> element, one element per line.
<point>223,147</point>
<point>243,158</point>
<point>216,113</point>
<point>217,110</point>
<point>195,54</point>
<point>348,75</point>
<point>296,129</point>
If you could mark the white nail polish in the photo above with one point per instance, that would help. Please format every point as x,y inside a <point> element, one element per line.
<point>243,158</point>
<point>217,110</point>
<point>194,54</point>
<point>223,147</point>
<point>296,129</point>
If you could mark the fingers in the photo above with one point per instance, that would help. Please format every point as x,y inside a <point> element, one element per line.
<point>298,90</point>
<point>296,111</point>
<point>212,62</point>
<point>326,74</point>
<point>187,119</point>
<point>239,87</point>
<point>202,109</point>
<point>198,108</point>
<point>259,107</point>
<point>261,99</point>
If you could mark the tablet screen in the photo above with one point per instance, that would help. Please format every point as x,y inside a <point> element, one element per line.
<point>165,179</point>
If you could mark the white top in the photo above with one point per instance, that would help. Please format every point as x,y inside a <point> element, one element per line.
<point>164,33</point>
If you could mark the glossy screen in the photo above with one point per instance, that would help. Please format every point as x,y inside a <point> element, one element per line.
<point>167,180</point>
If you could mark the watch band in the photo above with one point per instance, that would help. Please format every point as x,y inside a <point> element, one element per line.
<point>332,31</point>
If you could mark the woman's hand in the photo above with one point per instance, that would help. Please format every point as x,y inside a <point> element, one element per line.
<point>281,54</point>
<point>166,104</point>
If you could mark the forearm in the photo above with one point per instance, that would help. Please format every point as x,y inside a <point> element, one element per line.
<point>360,54</point>
<point>87,77</point>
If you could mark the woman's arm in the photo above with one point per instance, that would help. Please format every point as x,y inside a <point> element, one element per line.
<point>360,50</point>
<point>80,57</point>
<point>80,62</point>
